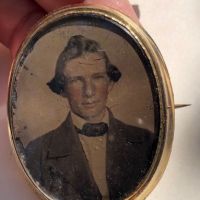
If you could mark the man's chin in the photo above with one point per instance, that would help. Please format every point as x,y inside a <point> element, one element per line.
<point>91,116</point>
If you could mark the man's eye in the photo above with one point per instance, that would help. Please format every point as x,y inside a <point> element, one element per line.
<point>74,80</point>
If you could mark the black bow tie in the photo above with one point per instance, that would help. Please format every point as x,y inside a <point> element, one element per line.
<point>93,130</point>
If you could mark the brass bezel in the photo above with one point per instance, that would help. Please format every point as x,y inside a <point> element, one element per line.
<point>161,75</point>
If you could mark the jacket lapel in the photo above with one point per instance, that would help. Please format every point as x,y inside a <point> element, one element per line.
<point>66,156</point>
<point>114,158</point>
<point>127,157</point>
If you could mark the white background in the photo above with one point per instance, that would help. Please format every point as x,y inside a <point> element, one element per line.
<point>175,27</point>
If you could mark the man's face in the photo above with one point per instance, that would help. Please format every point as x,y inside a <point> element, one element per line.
<point>87,86</point>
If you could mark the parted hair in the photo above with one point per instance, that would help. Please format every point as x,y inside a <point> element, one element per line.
<point>77,46</point>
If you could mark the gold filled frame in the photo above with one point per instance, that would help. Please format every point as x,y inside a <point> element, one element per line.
<point>160,75</point>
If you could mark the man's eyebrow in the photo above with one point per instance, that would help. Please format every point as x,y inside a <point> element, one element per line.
<point>84,63</point>
<point>99,58</point>
<point>100,73</point>
<point>74,77</point>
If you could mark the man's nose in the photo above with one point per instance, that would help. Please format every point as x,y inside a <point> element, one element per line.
<point>89,88</point>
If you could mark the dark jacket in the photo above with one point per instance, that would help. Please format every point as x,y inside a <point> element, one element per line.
<point>57,161</point>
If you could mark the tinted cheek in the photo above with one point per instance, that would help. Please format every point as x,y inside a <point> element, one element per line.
<point>102,90</point>
<point>74,93</point>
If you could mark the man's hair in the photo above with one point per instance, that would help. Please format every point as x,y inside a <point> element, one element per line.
<point>77,46</point>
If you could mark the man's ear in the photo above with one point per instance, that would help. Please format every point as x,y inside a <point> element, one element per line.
<point>110,87</point>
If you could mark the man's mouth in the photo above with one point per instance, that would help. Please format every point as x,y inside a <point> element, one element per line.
<point>89,104</point>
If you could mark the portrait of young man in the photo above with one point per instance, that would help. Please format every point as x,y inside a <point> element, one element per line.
<point>91,155</point>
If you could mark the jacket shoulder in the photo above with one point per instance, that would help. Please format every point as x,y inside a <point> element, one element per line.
<point>45,139</point>
<point>133,133</point>
<point>38,143</point>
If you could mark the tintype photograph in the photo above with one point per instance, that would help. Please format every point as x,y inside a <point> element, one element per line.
<point>85,119</point>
